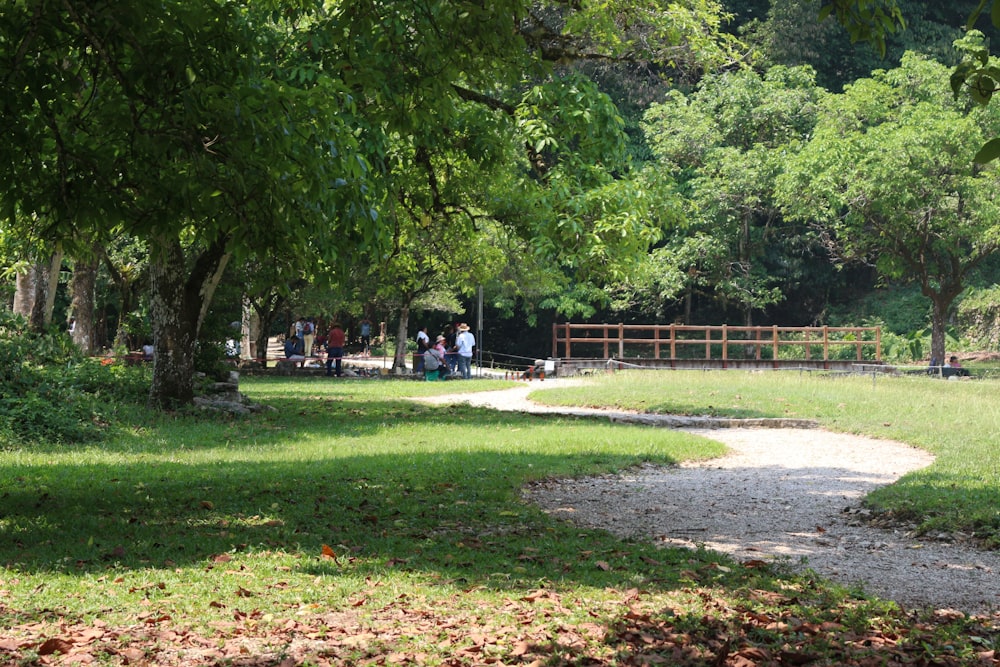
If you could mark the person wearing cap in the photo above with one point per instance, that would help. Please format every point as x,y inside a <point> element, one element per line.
<point>466,343</point>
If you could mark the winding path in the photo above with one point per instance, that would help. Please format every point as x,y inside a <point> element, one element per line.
<point>789,493</point>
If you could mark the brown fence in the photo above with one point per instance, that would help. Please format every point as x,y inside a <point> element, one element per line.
<point>678,341</point>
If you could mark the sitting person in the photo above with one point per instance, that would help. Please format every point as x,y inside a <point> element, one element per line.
<point>148,351</point>
<point>435,367</point>
<point>294,350</point>
<point>953,368</point>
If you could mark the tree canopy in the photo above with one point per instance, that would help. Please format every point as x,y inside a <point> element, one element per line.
<point>889,176</point>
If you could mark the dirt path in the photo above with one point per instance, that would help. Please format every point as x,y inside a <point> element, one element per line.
<point>786,494</point>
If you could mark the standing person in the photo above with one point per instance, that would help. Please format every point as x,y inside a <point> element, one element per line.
<point>423,342</point>
<point>334,349</point>
<point>300,327</point>
<point>450,349</point>
<point>366,337</point>
<point>466,346</point>
<point>308,336</point>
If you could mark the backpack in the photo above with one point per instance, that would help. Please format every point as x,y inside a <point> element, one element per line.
<point>308,328</point>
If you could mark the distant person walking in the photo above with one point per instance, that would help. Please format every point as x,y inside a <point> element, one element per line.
<point>466,343</point>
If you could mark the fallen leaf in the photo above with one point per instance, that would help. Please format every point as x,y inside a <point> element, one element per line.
<point>50,646</point>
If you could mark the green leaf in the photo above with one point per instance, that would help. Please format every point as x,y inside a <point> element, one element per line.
<point>989,152</point>
<point>974,16</point>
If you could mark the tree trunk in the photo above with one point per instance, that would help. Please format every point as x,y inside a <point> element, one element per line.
<point>179,299</point>
<point>939,317</point>
<point>35,294</point>
<point>249,328</point>
<point>82,305</point>
<point>36,319</point>
<point>399,359</point>
<point>26,291</point>
<point>51,285</point>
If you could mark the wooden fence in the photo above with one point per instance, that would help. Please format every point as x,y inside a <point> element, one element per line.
<point>722,342</point>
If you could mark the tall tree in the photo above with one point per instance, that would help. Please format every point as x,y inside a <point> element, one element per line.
<point>176,122</point>
<point>726,143</point>
<point>889,176</point>
<point>216,131</point>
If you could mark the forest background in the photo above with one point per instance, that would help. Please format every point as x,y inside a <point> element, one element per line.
<point>753,170</point>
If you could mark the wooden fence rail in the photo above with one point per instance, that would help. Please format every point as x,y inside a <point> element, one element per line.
<point>617,339</point>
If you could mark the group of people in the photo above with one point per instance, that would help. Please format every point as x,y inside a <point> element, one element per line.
<point>449,354</point>
<point>303,342</point>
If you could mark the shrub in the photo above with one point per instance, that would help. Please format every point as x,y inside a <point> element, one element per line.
<point>49,392</point>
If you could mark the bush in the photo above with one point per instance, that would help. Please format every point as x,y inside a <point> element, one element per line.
<point>49,392</point>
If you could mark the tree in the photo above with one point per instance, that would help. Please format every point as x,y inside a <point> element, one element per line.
<point>889,177</point>
<point>727,142</point>
<point>216,131</point>
<point>179,124</point>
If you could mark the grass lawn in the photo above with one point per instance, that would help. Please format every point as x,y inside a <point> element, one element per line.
<point>958,421</point>
<point>353,526</point>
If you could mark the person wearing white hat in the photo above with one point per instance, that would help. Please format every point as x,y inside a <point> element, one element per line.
<point>466,343</point>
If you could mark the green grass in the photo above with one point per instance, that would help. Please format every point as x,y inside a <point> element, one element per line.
<point>959,422</point>
<point>374,525</point>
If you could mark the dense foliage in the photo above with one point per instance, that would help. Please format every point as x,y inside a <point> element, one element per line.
<point>49,392</point>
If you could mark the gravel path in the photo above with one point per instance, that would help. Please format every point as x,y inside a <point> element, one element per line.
<point>786,494</point>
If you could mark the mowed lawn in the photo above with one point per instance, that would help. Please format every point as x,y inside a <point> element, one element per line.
<point>351,525</point>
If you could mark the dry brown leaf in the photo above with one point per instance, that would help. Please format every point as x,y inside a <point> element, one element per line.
<point>53,645</point>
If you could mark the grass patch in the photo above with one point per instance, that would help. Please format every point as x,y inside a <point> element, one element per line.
<point>352,526</point>
<point>959,422</point>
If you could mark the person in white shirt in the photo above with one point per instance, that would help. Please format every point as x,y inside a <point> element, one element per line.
<point>466,343</point>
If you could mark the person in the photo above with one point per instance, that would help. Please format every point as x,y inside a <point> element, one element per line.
<point>953,369</point>
<point>334,350</point>
<point>450,349</point>
<point>466,343</point>
<point>434,365</point>
<point>293,349</point>
<point>366,337</point>
<point>308,336</point>
<point>423,342</point>
<point>148,351</point>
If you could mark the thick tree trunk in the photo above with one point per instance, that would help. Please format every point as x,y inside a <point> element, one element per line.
<point>26,291</point>
<point>180,294</point>
<point>399,359</point>
<point>36,319</point>
<point>35,292</point>
<point>82,305</point>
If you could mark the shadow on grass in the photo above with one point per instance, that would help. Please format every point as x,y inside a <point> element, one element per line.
<point>443,506</point>
<point>190,489</point>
